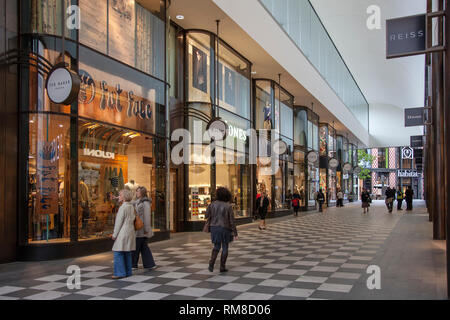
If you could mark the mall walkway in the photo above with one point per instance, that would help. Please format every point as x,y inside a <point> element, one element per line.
<point>314,256</point>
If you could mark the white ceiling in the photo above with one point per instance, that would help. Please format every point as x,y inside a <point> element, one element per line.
<point>398,82</point>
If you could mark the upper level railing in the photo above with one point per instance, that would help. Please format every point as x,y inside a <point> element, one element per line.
<point>301,22</point>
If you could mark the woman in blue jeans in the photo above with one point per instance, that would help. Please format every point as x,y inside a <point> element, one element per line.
<point>124,236</point>
<point>143,206</point>
<point>220,217</point>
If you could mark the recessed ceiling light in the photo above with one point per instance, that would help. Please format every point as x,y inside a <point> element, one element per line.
<point>253,72</point>
<point>180,17</point>
<point>61,126</point>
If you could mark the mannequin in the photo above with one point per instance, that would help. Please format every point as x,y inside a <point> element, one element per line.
<point>84,198</point>
<point>267,117</point>
<point>132,186</point>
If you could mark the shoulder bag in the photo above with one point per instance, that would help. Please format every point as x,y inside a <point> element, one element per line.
<point>138,223</point>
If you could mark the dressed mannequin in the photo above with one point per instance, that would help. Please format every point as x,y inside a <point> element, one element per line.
<point>84,198</point>
<point>267,116</point>
<point>132,186</point>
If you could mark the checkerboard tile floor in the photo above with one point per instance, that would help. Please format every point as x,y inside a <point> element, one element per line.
<point>313,256</point>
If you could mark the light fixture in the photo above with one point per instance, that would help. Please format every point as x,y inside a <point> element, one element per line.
<point>179,17</point>
<point>31,121</point>
<point>253,72</point>
<point>61,126</point>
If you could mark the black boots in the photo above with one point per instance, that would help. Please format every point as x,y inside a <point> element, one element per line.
<point>223,260</point>
<point>214,254</point>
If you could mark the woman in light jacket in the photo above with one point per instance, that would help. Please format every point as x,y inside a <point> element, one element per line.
<point>124,236</point>
<point>143,205</point>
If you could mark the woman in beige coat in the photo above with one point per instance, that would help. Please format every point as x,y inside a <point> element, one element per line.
<point>124,236</point>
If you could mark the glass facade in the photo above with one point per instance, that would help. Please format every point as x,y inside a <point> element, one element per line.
<point>300,21</point>
<point>79,156</point>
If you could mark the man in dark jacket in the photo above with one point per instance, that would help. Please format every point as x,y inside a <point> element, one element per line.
<point>390,195</point>
<point>409,194</point>
<point>320,199</point>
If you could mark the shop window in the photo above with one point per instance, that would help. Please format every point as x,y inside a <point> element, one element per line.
<point>331,185</point>
<point>49,178</point>
<point>45,17</point>
<point>323,143</point>
<point>199,190</point>
<point>200,63</point>
<point>264,176</point>
<point>299,175</point>
<point>382,158</point>
<point>300,127</point>
<point>109,160</point>
<point>233,82</point>
<point>287,115</point>
<point>130,31</point>
<point>236,178</point>
<point>263,106</point>
<point>331,143</point>
<point>313,182</point>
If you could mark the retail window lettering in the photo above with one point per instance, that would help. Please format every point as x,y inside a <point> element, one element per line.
<point>111,98</point>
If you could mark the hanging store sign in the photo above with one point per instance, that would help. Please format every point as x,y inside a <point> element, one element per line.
<point>407,174</point>
<point>414,117</point>
<point>407,153</point>
<point>406,36</point>
<point>312,157</point>
<point>416,141</point>
<point>345,176</point>
<point>333,163</point>
<point>62,85</point>
<point>347,167</point>
<point>217,129</point>
<point>357,170</point>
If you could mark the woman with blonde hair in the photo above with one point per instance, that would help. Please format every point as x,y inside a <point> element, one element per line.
<point>124,236</point>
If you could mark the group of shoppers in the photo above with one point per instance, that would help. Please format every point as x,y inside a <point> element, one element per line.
<point>391,195</point>
<point>130,243</point>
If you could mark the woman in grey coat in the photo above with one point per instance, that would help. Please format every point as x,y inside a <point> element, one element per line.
<point>124,236</point>
<point>220,219</point>
<point>143,205</point>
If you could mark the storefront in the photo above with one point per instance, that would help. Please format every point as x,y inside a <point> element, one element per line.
<point>327,144</point>
<point>217,85</point>
<point>274,122</point>
<point>74,159</point>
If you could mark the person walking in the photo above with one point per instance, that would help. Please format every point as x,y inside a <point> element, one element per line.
<point>263,207</point>
<point>142,206</point>
<point>320,199</point>
<point>365,200</point>
<point>409,194</point>
<point>390,194</point>
<point>399,199</point>
<point>296,202</point>
<point>221,224</point>
<point>258,203</point>
<point>124,236</point>
<point>340,198</point>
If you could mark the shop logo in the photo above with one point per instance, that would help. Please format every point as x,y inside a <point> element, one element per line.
<point>62,85</point>
<point>407,153</point>
<point>98,153</point>
<point>374,21</point>
<point>407,174</point>
<point>237,133</point>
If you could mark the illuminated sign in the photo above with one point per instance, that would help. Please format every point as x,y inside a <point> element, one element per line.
<point>98,153</point>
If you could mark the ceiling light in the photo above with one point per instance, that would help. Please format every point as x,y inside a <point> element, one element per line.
<point>180,17</point>
<point>61,126</point>
<point>253,72</point>
<point>31,121</point>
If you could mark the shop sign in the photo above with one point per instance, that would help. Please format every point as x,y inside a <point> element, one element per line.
<point>98,153</point>
<point>414,117</point>
<point>237,133</point>
<point>333,163</point>
<point>114,101</point>
<point>217,129</point>
<point>347,167</point>
<point>406,36</point>
<point>62,85</point>
<point>416,141</point>
<point>407,153</point>
<point>280,147</point>
<point>345,176</point>
<point>407,174</point>
<point>312,157</point>
<point>46,179</point>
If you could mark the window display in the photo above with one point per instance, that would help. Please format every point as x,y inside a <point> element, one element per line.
<point>299,175</point>
<point>48,178</point>
<point>110,159</point>
<point>313,183</point>
<point>199,62</point>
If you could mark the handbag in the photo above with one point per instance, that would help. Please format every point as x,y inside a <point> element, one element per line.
<point>138,223</point>
<point>206,227</point>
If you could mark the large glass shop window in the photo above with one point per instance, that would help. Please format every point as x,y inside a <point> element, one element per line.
<point>199,183</point>
<point>130,31</point>
<point>313,182</point>
<point>300,127</point>
<point>263,106</point>
<point>233,82</point>
<point>49,197</point>
<point>111,159</point>
<point>45,17</point>
<point>299,175</point>
<point>323,140</point>
<point>200,54</point>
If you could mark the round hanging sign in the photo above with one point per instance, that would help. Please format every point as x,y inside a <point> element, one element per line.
<point>62,85</point>
<point>280,147</point>
<point>312,156</point>
<point>333,163</point>
<point>357,170</point>
<point>217,129</point>
<point>347,167</point>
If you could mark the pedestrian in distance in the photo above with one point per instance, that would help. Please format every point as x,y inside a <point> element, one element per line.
<point>320,199</point>
<point>257,204</point>
<point>220,222</point>
<point>296,202</point>
<point>409,195</point>
<point>340,198</point>
<point>400,197</point>
<point>143,205</point>
<point>263,208</point>
<point>390,195</point>
<point>365,200</point>
<point>124,236</point>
